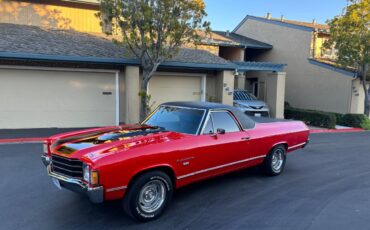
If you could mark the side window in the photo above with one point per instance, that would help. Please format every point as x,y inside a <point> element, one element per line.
<point>208,129</point>
<point>223,120</point>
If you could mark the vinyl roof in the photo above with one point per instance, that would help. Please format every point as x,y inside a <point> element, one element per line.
<point>245,121</point>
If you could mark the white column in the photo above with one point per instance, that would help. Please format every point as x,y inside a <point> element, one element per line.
<point>240,84</point>
<point>225,89</point>
<point>275,93</point>
<point>117,98</point>
<point>132,85</point>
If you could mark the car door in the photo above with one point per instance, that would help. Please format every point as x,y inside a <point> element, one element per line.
<point>223,144</point>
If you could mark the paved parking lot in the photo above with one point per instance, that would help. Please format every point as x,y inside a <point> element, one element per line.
<point>325,186</point>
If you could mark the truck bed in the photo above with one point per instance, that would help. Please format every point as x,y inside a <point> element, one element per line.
<point>267,119</point>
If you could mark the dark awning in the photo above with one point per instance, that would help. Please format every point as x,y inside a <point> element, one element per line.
<point>259,66</point>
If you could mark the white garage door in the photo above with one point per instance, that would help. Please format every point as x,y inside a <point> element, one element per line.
<point>165,88</point>
<point>40,99</point>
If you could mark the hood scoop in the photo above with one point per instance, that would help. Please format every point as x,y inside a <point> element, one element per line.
<point>126,134</point>
<point>71,147</point>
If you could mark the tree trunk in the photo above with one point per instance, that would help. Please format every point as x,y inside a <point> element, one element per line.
<point>144,95</point>
<point>366,103</point>
<point>148,72</point>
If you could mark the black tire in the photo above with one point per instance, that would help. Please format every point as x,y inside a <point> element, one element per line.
<point>269,166</point>
<point>136,192</point>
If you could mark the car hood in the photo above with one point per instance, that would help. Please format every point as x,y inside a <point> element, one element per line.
<point>254,103</point>
<point>96,144</point>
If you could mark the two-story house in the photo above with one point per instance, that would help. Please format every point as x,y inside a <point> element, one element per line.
<point>312,80</point>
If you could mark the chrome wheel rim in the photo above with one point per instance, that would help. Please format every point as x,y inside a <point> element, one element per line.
<point>277,160</point>
<point>152,196</point>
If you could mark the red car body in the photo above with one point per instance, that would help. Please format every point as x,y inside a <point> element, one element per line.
<point>186,158</point>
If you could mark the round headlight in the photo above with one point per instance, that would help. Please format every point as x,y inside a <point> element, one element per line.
<point>86,172</point>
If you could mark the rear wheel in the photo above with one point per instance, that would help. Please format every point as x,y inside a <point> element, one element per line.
<point>274,162</point>
<point>148,196</point>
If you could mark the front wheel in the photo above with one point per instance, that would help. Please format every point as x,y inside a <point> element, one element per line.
<point>148,196</point>
<point>274,162</point>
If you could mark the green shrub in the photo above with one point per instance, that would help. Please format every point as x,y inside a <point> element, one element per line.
<point>355,120</point>
<point>311,117</point>
<point>366,124</point>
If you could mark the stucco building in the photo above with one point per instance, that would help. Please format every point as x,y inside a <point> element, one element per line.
<point>312,81</point>
<point>57,69</point>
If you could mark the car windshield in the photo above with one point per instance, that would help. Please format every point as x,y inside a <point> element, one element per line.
<point>244,96</point>
<point>182,120</point>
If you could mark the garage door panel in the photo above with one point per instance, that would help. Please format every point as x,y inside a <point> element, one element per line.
<point>165,88</point>
<point>37,98</point>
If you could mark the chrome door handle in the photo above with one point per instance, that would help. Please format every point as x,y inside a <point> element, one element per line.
<point>246,138</point>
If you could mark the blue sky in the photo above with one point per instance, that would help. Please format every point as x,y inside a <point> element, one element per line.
<point>226,14</point>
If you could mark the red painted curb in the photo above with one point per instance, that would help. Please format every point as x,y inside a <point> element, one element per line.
<point>23,140</point>
<point>336,130</point>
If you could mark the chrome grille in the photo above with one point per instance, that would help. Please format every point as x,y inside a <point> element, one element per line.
<point>66,166</point>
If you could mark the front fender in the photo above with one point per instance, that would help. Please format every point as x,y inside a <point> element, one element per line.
<point>117,178</point>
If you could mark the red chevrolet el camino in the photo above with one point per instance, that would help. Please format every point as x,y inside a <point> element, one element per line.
<point>178,144</point>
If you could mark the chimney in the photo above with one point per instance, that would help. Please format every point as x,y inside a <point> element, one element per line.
<point>227,33</point>
<point>269,16</point>
<point>314,21</point>
<point>282,18</point>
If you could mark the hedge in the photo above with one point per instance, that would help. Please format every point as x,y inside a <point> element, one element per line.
<point>355,120</point>
<point>311,117</point>
<point>339,118</point>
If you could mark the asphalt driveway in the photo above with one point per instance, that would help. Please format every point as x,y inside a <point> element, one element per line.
<point>325,186</point>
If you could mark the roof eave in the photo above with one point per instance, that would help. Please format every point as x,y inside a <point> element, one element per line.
<point>304,28</point>
<point>222,44</point>
<point>244,46</point>
<point>259,47</point>
<point>204,66</point>
<point>109,61</point>
<point>89,2</point>
<point>332,67</point>
<point>68,59</point>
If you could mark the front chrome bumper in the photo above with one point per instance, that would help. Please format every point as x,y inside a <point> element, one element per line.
<point>95,194</point>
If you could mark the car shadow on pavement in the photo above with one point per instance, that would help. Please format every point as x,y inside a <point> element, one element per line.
<point>185,201</point>
<point>220,181</point>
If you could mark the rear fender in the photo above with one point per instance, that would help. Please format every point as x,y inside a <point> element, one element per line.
<point>284,143</point>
